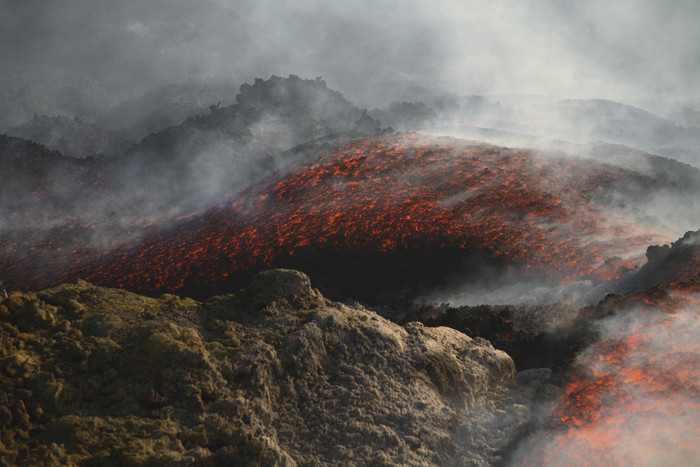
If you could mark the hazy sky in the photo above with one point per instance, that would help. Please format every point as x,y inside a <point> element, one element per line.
<point>597,48</point>
<point>372,50</point>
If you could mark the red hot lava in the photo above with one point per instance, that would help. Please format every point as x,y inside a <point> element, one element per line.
<point>635,396</point>
<point>533,213</point>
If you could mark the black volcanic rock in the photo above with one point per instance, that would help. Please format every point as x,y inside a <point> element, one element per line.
<point>551,335</point>
<point>273,375</point>
<point>641,349</point>
<point>87,208</point>
<point>33,177</point>
<point>179,169</point>
<point>241,142</point>
<point>167,106</point>
<point>269,116</point>
<point>677,263</point>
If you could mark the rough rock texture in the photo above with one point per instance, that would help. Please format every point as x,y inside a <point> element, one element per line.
<point>273,375</point>
<point>536,336</point>
<point>679,262</point>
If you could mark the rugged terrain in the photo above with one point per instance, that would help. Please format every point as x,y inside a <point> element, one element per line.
<point>522,364</point>
<point>274,374</point>
<point>484,251</point>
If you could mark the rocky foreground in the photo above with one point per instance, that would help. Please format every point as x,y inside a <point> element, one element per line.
<point>273,375</point>
<point>276,374</point>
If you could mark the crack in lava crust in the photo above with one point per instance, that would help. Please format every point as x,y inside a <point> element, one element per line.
<point>388,197</point>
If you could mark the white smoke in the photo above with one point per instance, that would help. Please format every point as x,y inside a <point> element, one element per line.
<point>648,412</point>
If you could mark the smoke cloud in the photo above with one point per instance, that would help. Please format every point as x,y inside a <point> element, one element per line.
<point>635,400</point>
<point>535,65</point>
<point>373,51</point>
<point>562,77</point>
<point>622,51</point>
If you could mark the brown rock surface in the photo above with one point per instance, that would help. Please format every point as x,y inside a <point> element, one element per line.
<point>273,375</point>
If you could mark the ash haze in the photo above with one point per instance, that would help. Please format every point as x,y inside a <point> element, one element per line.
<point>372,51</point>
<point>622,50</point>
<point>648,428</point>
<point>151,88</point>
<point>534,65</point>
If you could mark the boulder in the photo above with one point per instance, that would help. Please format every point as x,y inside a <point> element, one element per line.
<point>272,375</point>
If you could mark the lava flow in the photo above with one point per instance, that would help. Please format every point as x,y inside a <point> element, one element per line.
<point>635,396</point>
<point>386,207</point>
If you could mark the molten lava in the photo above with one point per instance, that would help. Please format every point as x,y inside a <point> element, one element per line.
<point>535,214</point>
<point>386,198</point>
<point>634,398</point>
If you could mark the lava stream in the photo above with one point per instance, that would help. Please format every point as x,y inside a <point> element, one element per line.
<point>390,194</point>
<point>635,396</point>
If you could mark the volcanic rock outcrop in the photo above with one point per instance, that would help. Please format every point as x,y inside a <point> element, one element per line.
<point>678,262</point>
<point>273,375</point>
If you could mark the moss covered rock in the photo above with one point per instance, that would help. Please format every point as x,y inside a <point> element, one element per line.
<point>273,375</point>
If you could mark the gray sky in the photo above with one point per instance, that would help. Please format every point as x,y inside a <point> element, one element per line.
<point>629,49</point>
<point>372,50</point>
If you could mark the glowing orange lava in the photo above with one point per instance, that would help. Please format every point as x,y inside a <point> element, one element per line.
<point>530,212</point>
<point>635,398</point>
